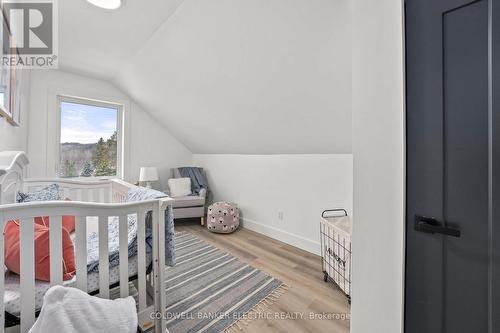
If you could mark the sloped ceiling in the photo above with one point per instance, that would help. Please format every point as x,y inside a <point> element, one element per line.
<point>225,76</point>
<point>99,42</point>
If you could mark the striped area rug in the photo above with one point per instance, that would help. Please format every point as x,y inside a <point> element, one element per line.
<point>211,291</point>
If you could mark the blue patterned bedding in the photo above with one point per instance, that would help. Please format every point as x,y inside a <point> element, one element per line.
<point>51,192</point>
<point>48,193</point>
<point>136,194</point>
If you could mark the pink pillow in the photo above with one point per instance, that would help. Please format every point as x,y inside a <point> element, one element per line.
<point>42,253</point>
<point>68,222</point>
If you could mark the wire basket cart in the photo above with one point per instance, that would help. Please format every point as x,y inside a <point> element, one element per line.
<point>336,252</point>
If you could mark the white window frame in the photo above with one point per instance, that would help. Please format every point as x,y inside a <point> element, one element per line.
<point>119,132</point>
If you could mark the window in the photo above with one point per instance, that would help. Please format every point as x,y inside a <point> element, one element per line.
<point>90,138</point>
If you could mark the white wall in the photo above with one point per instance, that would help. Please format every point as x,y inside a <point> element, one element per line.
<point>15,138</point>
<point>301,186</point>
<point>249,76</point>
<point>147,143</point>
<point>378,149</point>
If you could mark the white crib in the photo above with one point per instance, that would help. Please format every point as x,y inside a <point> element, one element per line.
<point>101,199</point>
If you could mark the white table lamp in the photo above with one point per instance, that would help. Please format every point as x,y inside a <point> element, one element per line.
<point>148,175</point>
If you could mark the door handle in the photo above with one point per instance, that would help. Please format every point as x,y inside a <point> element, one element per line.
<point>432,226</point>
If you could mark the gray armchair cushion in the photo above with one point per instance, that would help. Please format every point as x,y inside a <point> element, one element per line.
<point>188,201</point>
<point>189,206</point>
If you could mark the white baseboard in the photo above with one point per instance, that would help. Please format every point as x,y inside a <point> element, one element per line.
<point>283,236</point>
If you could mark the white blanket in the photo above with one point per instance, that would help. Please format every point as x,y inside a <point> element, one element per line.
<point>70,310</point>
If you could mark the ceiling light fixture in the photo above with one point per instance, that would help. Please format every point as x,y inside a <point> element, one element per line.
<point>106,4</point>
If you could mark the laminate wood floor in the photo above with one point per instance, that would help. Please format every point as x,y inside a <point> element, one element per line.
<point>309,296</point>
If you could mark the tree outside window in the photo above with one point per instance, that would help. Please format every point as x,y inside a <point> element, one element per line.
<point>89,139</point>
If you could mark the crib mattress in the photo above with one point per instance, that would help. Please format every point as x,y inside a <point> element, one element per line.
<point>12,296</point>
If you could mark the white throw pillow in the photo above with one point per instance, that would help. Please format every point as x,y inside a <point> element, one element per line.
<point>179,187</point>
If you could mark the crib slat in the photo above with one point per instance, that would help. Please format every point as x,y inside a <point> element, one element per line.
<point>154,223</point>
<point>66,193</point>
<point>161,265</point>
<point>90,195</point>
<point>159,283</point>
<point>85,194</point>
<point>55,238</point>
<point>102,197</point>
<point>78,194</point>
<point>27,278</point>
<point>123,237</point>
<point>2,277</point>
<point>107,195</point>
<point>103,258</point>
<point>141,259</point>
<point>81,253</point>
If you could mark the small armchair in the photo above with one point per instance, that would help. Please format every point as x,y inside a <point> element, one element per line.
<point>192,206</point>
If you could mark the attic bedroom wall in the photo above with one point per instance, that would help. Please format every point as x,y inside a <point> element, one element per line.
<point>282,196</point>
<point>249,76</point>
<point>284,89</point>
<point>379,167</point>
<point>15,138</point>
<point>147,143</point>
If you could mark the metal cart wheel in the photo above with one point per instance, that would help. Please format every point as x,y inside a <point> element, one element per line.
<point>325,277</point>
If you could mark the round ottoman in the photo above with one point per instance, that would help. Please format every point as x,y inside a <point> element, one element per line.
<point>223,217</point>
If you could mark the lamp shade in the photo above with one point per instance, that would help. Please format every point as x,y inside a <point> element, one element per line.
<point>148,174</point>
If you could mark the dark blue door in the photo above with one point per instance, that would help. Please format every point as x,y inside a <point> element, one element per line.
<point>453,166</point>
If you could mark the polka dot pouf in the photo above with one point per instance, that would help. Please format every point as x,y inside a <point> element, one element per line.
<point>223,217</point>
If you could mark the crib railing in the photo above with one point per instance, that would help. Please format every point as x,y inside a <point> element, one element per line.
<point>76,189</point>
<point>25,214</point>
